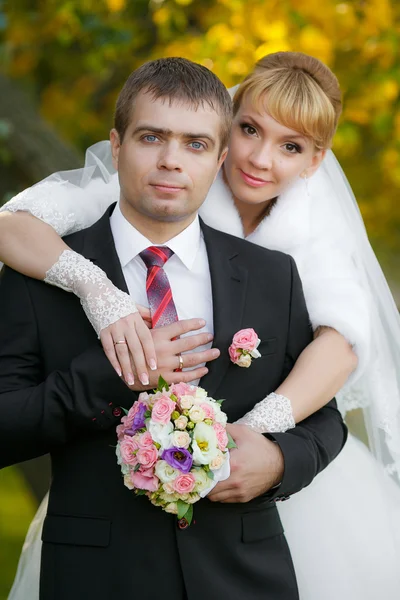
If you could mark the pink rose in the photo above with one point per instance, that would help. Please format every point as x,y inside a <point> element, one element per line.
<point>208,409</point>
<point>182,389</point>
<point>234,353</point>
<point>222,436</point>
<point>126,423</point>
<point>144,479</point>
<point>184,484</point>
<point>246,339</point>
<point>144,398</point>
<point>147,457</point>
<point>162,410</point>
<point>128,448</point>
<point>145,440</point>
<point>132,412</point>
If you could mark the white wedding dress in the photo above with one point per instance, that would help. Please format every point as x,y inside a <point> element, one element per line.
<point>344,529</point>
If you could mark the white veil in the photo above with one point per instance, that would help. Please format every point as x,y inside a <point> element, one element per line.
<point>377,391</point>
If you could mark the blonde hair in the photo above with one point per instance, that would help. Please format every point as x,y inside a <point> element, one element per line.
<point>298,91</point>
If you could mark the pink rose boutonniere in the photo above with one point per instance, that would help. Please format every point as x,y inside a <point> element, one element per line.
<point>244,347</point>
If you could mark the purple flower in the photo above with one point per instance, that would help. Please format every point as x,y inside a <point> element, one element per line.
<point>178,458</point>
<point>138,420</point>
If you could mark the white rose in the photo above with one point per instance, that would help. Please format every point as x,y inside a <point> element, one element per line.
<point>168,497</point>
<point>200,395</point>
<point>186,402</point>
<point>180,439</point>
<point>193,498</point>
<point>217,462</point>
<point>244,360</point>
<point>161,434</point>
<point>165,472</point>
<point>220,416</point>
<point>181,422</point>
<point>172,508</point>
<point>168,487</point>
<point>197,414</point>
<point>204,444</point>
<point>128,481</point>
<point>202,480</point>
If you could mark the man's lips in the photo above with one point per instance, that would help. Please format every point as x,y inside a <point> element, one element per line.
<point>167,188</point>
<point>253,181</point>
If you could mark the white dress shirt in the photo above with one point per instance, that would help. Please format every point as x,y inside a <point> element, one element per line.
<point>187,270</point>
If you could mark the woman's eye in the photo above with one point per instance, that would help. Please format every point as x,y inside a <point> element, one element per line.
<point>249,129</point>
<point>150,138</point>
<point>292,148</point>
<point>196,145</point>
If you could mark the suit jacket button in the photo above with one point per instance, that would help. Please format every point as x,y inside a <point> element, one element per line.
<point>117,412</point>
<point>183,523</point>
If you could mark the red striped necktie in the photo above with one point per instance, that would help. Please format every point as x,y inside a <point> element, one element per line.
<point>159,294</point>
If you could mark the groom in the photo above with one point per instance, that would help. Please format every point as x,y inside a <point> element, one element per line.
<point>59,394</point>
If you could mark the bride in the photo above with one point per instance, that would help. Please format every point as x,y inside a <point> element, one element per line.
<point>280,187</point>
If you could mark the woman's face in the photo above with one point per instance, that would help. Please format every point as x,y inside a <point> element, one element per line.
<point>265,157</point>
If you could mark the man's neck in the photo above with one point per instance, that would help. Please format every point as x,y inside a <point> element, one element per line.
<point>157,232</point>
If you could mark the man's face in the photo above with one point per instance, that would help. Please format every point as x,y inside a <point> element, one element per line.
<point>168,159</point>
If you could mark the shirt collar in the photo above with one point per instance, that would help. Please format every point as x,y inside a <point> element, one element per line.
<point>129,242</point>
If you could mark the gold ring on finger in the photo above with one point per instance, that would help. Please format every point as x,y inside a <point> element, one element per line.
<point>120,342</point>
<point>180,362</point>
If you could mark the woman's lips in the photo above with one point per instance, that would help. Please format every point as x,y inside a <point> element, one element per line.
<point>253,181</point>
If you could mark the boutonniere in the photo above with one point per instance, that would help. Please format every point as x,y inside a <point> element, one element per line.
<point>244,347</point>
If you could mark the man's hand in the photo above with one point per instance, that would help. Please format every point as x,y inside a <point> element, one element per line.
<point>168,350</point>
<point>256,466</point>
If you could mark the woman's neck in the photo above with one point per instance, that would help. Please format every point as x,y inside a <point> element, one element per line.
<point>251,215</point>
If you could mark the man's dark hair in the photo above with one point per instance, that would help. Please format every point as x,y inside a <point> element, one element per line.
<point>175,79</point>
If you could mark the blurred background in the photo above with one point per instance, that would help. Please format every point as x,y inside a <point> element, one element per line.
<point>62,64</point>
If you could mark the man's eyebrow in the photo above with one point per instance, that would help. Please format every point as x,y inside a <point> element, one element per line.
<point>168,132</point>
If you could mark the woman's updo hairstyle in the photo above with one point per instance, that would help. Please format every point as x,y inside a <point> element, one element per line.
<point>298,91</point>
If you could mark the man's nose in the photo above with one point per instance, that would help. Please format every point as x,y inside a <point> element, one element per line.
<point>170,157</point>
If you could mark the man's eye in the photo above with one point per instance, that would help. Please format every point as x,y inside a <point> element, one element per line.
<point>196,145</point>
<point>150,138</point>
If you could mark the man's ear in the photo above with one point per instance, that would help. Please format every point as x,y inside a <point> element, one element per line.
<point>315,162</point>
<point>115,147</point>
<point>221,159</point>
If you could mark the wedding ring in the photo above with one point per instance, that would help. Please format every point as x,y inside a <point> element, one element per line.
<point>120,342</point>
<point>180,362</point>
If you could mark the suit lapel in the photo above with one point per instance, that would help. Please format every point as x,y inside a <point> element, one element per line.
<point>229,285</point>
<point>99,247</point>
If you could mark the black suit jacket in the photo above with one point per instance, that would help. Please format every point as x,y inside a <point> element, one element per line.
<point>59,394</point>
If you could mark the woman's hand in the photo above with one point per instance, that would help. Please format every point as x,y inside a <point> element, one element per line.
<point>137,349</point>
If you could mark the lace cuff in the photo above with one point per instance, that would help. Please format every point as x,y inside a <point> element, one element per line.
<point>271,415</point>
<point>102,302</point>
<point>39,202</point>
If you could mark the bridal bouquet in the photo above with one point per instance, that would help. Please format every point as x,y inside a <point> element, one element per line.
<point>173,446</point>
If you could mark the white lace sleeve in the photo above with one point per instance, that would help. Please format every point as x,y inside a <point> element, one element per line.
<point>102,302</point>
<point>272,415</point>
<point>63,205</point>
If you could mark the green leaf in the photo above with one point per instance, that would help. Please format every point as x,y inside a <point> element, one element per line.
<point>137,467</point>
<point>162,384</point>
<point>174,398</point>
<point>189,514</point>
<point>220,401</point>
<point>140,492</point>
<point>183,507</point>
<point>147,414</point>
<point>231,442</point>
<point>124,409</point>
<point>210,474</point>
